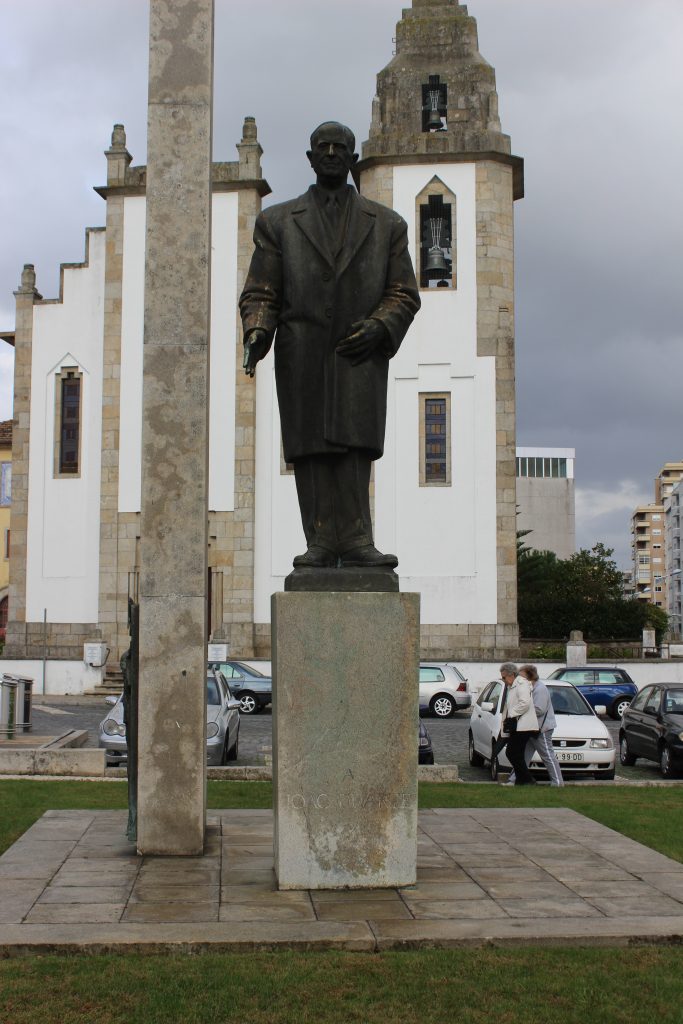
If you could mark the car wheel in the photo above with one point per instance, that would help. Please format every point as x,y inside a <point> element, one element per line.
<point>618,708</point>
<point>604,776</point>
<point>495,767</point>
<point>625,755</point>
<point>666,763</point>
<point>233,752</point>
<point>442,705</point>
<point>476,760</point>
<point>248,703</point>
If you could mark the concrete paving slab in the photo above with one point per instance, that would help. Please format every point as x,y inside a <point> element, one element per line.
<point>211,876</point>
<point>594,887</point>
<point>20,870</point>
<point>522,890</point>
<point>366,910</point>
<point>416,934</point>
<point>670,882</point>
<point>459,910</point>
<point>634,906</point>
<point>354,895</point>
<point>177,913</point>
<point>145,892</point>
<point>269,896</point>
<point>86,894</point>
<point>17,898</point>
<point>485,875</point>
<point>258,912</point>
<point>188,937</point>
<point>551,906</point>
<point>86,913</point>
<point>460,890</point>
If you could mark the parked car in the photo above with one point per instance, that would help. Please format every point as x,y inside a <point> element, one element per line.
<point>443,689</point>
<point>254,689</point>
<point>222,725</point>
<point>652,727</point>
<point>581,741</point>
<point>425,753</point>
<point>612,687</point>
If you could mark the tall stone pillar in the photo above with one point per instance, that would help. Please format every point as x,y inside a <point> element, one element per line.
<point>26,296</point>
<point>173,569</point>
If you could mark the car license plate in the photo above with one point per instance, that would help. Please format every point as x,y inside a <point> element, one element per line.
<point>566,755</point>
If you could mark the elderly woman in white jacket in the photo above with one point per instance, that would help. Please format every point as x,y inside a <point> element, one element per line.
<point>519,707</point>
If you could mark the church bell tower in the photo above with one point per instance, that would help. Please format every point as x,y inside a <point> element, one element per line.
<point>445,489</point>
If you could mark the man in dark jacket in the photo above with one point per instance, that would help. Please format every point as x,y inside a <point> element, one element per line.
<point>332,281</point>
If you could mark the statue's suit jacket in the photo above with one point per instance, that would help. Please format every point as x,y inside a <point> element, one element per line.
<point>307,299</point>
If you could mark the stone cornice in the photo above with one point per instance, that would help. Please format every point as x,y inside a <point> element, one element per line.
<point>403,159</point>
<point>260,185</point>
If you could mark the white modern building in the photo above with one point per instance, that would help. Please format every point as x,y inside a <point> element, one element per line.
<point>444,493</point>
<point>546,500</point>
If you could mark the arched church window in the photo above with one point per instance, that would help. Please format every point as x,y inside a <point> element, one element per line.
<point>436,242</point>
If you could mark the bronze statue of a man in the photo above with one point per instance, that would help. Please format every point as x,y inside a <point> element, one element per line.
<point>332,281</point>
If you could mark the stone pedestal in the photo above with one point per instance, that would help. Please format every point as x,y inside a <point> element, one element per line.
<point>576,650</point>
<point>173,522</point>
<point>345,732</point>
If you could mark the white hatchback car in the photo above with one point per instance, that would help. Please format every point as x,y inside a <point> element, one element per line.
<point>581,741</point>
<point>443,689</point>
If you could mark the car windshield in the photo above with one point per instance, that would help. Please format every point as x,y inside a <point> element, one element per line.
<point>673,702</point>
<point>213,693</point>
<point>568,701</point>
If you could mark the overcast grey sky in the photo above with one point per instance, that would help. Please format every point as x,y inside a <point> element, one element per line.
<point>590,91</point>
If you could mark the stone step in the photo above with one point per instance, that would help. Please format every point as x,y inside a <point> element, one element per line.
<point>113,688</point>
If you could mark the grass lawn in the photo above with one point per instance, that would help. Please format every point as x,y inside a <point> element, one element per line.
<point>468,986</point>
<point>473,986</point>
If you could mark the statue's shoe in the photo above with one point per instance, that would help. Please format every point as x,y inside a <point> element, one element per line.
<point>315,558</point>
<point>366,557</point>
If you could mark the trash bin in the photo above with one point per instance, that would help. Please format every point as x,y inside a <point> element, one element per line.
<point>16,701</point>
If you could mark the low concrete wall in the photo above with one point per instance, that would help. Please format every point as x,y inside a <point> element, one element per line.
<point>57,678</point>
<point>39,761</point>
<point>74,677</point>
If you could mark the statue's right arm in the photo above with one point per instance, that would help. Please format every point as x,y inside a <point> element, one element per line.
<point>262,294</point>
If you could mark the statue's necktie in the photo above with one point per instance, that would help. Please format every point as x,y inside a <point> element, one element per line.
<point>335,218</point>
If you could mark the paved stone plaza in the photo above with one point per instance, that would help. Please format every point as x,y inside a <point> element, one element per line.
<point>72,882</point>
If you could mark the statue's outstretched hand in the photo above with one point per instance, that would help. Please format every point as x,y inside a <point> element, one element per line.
<point>366,337</point>
<point>255,347</point>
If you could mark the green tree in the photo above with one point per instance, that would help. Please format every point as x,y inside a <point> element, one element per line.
<point>582,592</point>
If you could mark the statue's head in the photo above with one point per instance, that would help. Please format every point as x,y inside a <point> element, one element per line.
<point>332,153</point>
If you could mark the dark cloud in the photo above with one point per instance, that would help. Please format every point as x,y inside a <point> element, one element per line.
<point>589,91</point>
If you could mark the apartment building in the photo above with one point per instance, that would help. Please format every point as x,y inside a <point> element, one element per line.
<point>647,549</point>
<point>651,570</point>
<point>669,475</point>
<point>673,505</point>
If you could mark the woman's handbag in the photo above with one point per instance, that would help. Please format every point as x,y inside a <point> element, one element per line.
<point>510,726</point>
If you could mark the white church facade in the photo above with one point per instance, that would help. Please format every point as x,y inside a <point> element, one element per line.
<point>444,492</point>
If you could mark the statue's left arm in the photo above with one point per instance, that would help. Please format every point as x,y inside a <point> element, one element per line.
<point>401,299</point>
